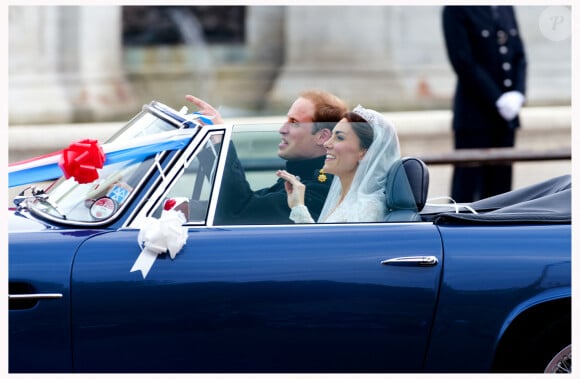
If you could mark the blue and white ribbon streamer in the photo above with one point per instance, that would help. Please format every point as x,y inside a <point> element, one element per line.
<point>46,167</point>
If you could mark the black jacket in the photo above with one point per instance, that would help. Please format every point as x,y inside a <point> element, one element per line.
<point>239,204</point>
<point>486,63</point>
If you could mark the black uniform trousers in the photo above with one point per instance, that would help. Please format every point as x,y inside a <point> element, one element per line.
<point>471,183</point>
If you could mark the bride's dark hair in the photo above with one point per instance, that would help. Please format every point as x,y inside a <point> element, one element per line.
<point>362,129</point>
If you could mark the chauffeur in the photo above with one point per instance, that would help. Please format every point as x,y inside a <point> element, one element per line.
<point>487,54</point>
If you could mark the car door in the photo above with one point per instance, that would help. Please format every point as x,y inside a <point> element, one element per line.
<point>311,298</point>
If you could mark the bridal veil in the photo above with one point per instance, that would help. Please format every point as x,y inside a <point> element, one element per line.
<point>368,186</point>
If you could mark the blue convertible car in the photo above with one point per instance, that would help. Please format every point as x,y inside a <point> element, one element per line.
<point>120,265</point>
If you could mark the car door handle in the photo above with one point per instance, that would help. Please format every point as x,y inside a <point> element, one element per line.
<point>29,300</point>
<point>424,260</point>
<point>35,296</point>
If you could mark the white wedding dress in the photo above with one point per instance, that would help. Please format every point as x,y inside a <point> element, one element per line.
<point>365,201</point>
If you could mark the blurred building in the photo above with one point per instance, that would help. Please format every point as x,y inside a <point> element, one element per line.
<point>101,63</point>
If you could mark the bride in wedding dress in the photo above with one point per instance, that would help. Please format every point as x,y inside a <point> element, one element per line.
<point>363,147</point>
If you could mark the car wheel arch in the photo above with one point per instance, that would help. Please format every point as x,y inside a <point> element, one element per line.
<point>546,324</point>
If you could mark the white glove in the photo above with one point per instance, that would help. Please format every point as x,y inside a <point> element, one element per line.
<point>509,104</point>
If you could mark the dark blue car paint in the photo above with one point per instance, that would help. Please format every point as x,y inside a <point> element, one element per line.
<point>491,275</point>
<point>258,299</point>
<point>40,338</point>
<point>269,299</point>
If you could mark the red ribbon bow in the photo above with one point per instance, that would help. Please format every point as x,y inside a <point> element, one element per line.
<point>81,161</point>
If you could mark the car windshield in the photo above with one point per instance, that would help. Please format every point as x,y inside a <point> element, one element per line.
<point>67,200</point>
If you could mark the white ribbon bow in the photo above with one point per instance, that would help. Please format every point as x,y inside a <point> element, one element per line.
<point>159,236</point>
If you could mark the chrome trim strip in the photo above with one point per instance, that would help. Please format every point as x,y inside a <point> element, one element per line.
<point>155,109</point>
<point>213,198</point>
<point>35,296</point>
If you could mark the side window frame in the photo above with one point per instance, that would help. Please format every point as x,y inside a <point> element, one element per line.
<point>192,187</point>
<point>160,189</point>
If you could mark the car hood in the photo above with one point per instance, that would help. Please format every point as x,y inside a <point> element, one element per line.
<point>17,223</point>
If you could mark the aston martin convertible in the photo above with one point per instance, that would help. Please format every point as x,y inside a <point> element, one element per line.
<point>118,264</point>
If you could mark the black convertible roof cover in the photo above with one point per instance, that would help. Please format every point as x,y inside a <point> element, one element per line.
<point>545,202</point>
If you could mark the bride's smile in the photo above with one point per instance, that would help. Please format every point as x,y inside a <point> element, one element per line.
<point>343,151</point>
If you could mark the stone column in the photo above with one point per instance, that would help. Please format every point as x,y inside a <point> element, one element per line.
<point>265,34</point>
<point>246,86</point>
<point>92,63</point>
<point>65,65</point>
<point>343,49</point>
<point>35,91</point>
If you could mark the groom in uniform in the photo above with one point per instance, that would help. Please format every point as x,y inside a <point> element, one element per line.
<point>308,126</point>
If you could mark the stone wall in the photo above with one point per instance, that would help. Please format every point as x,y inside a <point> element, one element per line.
<point>67,63</point>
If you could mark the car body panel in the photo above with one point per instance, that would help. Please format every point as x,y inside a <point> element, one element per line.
<point>261,299</point>
<point>517,267</point>
<point>40,338</point>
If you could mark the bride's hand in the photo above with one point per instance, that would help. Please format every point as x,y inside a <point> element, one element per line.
<point>294,188</point>
<point>205,109</point>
